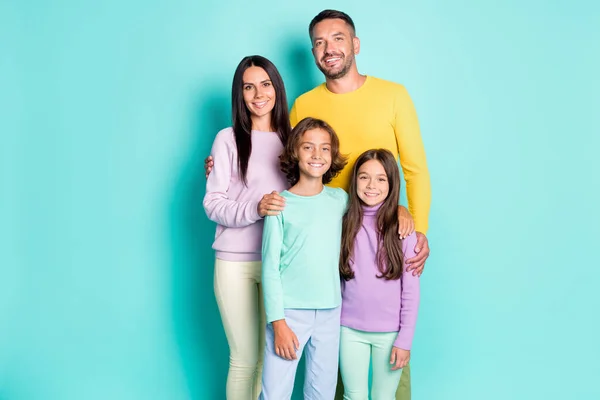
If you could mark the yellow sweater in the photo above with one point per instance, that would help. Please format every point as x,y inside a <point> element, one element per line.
<point>379,114</point>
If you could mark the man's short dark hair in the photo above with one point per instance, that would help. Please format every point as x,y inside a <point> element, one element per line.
<point>331,14</point>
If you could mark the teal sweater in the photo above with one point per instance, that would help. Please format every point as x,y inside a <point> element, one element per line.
<point>301,252</point>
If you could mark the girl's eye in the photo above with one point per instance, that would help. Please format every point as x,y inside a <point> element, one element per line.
<point>362,177</point>
<point>382,180</point>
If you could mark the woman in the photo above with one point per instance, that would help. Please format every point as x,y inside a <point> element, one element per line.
<point>240,191</point>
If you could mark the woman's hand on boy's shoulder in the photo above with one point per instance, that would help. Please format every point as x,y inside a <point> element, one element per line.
<point>399,358</point>
<point>270,204</point>
<point>286,342</point>
<point>416,264</point>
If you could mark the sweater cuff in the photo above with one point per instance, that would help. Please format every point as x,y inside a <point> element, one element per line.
<point>275,316</point>
<point>403,340</point>
<point>255,215</point>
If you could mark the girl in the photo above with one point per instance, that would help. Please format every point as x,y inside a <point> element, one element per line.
<point>245,169</point>
<point>301,248</point>
<point>379,300</point>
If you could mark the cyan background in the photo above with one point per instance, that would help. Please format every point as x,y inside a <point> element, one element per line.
<point>108,108</point>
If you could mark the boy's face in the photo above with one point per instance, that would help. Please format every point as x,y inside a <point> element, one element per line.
<point>372,185</point>
<point>314,153</point>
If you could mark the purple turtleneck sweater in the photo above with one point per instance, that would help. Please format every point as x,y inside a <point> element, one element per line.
<point>374,304</point>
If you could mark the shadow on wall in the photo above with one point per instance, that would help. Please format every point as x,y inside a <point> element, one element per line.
<point>199,333</point>
<point>298,67</point>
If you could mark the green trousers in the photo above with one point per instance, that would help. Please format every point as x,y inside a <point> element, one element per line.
<point>403,392</point>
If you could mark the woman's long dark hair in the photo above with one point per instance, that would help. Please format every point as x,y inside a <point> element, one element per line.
<point>242,123</point>
<point>389,246</point>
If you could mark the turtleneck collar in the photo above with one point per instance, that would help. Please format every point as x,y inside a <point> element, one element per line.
<point>371,211</point>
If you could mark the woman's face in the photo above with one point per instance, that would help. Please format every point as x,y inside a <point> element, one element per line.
<point>259,93</point>
<point>372,185</point>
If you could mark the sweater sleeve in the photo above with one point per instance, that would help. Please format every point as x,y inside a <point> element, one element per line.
<point>218,206</point>
<point>410,298</point>
<point>412,160</point>
<point>271,276</point>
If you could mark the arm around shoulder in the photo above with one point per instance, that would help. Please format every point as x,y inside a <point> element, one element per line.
<point>412,159</point>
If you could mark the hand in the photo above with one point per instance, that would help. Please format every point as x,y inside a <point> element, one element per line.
<point>286,341</point>
<point>399,358</point>
<point>208,165</point>
<point>417,263</point>
<point>406,223</point>
<point>271,204</point>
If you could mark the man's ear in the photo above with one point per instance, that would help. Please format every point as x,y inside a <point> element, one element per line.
<point>356,43</point>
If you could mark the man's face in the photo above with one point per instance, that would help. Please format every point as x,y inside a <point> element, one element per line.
<point>334,47</point>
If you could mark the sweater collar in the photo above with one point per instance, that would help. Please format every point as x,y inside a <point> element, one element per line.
<point>371,211</point>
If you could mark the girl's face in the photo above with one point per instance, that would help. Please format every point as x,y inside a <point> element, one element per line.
<point>314,153</point>
<point>372,185</point>
<point>259,93</point>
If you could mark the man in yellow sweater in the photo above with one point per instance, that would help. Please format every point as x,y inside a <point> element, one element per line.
<point>367,112</point>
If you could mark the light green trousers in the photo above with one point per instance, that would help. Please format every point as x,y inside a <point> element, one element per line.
<point>357,350</point>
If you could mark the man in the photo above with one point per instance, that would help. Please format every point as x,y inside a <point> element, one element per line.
<point>366,113</point>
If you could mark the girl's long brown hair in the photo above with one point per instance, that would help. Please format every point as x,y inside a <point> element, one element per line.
<point>389,246</point>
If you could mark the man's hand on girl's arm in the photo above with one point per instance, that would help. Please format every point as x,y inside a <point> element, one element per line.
<point>406,223</point>
<point>417,263</point>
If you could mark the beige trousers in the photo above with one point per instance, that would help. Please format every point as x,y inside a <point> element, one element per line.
<point>239,296</point>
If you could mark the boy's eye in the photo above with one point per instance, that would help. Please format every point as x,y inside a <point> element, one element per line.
<point>326,149</point>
